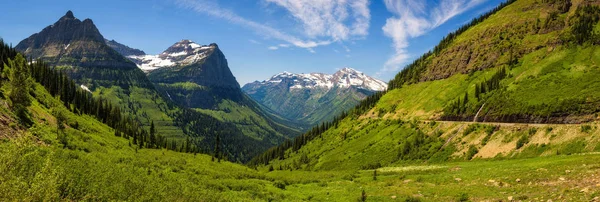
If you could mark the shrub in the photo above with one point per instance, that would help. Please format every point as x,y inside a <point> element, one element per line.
<point>363,196</point>
<point>586,128</point>
<point>471,128</point>
<point>522,141</point>
<point>279,184</point>
<point>472,152</point>
<point>463,197</point>
<point>412,199</point>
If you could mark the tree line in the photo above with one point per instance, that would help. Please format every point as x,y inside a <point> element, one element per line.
<point>20,75</point>
<point>461,108</point>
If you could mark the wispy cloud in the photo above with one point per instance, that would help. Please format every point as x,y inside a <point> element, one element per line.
<point>325,22</point>
<point>273,47</point>
<point>254,41</point>
<point>336,20</point>
<point>413,18</point>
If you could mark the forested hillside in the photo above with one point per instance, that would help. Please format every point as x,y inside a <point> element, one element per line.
<point>76,49</point>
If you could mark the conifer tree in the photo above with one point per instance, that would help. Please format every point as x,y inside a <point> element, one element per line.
<point>20,83</point>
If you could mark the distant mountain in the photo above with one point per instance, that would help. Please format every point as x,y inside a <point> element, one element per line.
<point>526,61</point>
<point>123,49</point>
<point>316,97</point>
<point>77,48</point>
<point>198,77</point>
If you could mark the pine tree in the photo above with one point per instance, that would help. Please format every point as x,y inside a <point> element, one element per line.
<point>20,83</point>
<point>217,148</point>
<point>152,136</point>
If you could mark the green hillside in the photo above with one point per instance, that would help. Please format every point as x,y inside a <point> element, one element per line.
<point>84,160</point>
<point>78,49</point>
<point>545,78</point>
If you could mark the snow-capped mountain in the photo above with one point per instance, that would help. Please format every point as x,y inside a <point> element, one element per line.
<point>315,97</point>
<point>344,78</point>
<point>182,53</point>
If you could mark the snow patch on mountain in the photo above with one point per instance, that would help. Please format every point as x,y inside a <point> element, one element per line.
<point>344,78</point>
<point>182,53</point>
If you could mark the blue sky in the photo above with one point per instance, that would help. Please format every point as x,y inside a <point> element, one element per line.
<point>261,38</point>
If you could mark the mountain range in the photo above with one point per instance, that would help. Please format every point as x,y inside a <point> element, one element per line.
<point>506,108</point>
<point>193,94</point>
<point>316,97</point>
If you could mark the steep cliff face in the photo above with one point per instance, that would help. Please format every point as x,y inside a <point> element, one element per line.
<point>78,48</point>
<point>123,49</point>
<point>198,77</point>
<point>192,75</point>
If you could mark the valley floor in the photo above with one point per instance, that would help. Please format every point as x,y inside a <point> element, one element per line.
<point>34,171</point>
<point>556,178</point>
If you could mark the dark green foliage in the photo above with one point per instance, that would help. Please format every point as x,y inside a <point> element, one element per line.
<point>463,197</point>
<point>586,128</point>
<point>279,184</point>
<point>375,175</point>
<point>585,19</point>
<point>461,109</point>
<point>371,166</point>
<point>19,75</point>
<point>471,128</point>
<point>412,199</point>
<point>363,196</point>
<point>524,139</point>
<point>416,145</point>
<point>471,152</point>
<point>489,131</point>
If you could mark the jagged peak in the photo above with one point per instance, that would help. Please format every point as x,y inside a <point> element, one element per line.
<point>349,70</point>
<point>345,78</point>
<point>68,16</point>
<point>87,20</point>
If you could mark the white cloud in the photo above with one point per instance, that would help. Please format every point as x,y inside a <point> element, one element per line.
<point>273,47</point>
<point>325,22</point>
<point>413,18</point>
<point>284,45</point>
<point>337,20</point>
<point>254,41</point>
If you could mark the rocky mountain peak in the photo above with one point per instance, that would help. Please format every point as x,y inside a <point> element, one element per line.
<point>182,53</point>
<point>69,41</point>
<point>344,78</point>
<point>68,16</point>
<point>123,49</point>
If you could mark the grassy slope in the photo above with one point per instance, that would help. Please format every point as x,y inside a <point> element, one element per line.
<point>99,166</point>
<point>545,77</point>
<point>96,165</point>
<point>145,104</point>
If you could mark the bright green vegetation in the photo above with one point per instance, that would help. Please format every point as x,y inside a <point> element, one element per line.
<point>545,76</point>
<point>96,165</point>
<point>146,106</point>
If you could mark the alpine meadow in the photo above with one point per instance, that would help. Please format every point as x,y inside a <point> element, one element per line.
<point>486,100</point>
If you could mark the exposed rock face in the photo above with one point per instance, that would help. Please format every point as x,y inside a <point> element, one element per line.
<point>81,51</point>
<point>123,49</point>
<point>193,75</point>
<point>316,97</point>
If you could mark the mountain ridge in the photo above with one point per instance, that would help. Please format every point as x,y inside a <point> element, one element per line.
<point>316,97</point>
